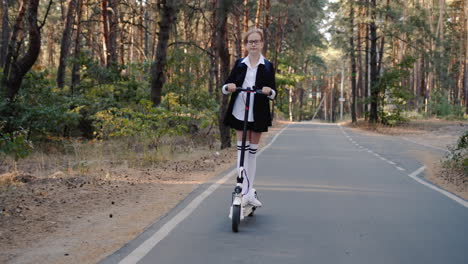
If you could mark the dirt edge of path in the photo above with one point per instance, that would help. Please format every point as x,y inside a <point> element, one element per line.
<point>78,219</point>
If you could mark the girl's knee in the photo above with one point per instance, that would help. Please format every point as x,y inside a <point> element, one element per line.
<point>255,137</point>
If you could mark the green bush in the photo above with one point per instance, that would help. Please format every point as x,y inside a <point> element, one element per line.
<point>109,102</point>
<point>393,96</point>
<point>392,118</point>
<point>38,120</point>
<point>458,157</point>
<point>440,106</point>
<point>149,121</point>
<point>15,145</point>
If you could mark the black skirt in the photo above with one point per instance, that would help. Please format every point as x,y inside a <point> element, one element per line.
<point>239,125</point>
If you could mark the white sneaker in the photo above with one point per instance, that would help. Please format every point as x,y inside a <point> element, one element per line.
<point>254,201</point>
<point>245,200</point>
<point>252,198</point>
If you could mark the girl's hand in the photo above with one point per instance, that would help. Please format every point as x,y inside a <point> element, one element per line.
<point>231,87</point>
<point>266,90</point>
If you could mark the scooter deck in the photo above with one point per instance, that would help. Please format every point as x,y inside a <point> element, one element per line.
<point>249,210</point>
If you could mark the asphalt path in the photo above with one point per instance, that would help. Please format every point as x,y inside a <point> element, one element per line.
<point>330,195</point>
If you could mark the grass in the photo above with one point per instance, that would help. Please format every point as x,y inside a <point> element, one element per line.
<point>94,157</point>
<point>8,179</point>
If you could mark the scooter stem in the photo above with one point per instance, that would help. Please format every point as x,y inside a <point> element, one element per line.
<point>244,132</point>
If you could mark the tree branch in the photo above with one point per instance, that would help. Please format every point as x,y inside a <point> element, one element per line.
<point>46,15</point>
<point>192,44</point>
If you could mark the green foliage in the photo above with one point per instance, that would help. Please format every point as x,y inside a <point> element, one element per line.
<point>304,17</point>
<point>184,86</point>
<point>393,95</point>
<point>96,73</point>
<point>108,102</point>
<point>149,121</point>
<point>15,145</point>
<point>440,106</point>
<point>458,157</point>
<point>38,110</point>
<point>285,79</point>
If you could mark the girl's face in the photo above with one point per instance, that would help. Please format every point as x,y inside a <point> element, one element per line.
<point>254,44</point>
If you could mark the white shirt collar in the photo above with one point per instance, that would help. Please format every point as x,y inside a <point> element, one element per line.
<point>246,61</point>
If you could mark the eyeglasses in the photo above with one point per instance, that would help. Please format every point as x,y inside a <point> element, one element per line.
<point>257,41</point>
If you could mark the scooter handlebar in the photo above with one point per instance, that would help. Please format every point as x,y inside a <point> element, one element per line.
<point>249,90</point>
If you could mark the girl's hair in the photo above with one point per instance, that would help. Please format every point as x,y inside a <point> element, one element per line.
<point>250,32</point>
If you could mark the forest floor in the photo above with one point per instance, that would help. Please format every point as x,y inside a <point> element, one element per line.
<point>86,213</point>
<point>83,214</point>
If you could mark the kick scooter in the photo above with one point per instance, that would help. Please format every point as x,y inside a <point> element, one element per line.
<point>238,210</point>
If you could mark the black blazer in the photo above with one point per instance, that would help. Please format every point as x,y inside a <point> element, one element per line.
<point>261,110</point>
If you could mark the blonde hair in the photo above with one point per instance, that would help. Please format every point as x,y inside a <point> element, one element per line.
<point>250,32</point>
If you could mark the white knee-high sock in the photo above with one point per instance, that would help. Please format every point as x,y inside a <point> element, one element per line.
<point>251,170</point>
<point>246,156</point>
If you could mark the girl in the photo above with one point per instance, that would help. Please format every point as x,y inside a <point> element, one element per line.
<point>253,70</point>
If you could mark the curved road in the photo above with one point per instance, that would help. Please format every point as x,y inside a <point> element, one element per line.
<point>330,195</point>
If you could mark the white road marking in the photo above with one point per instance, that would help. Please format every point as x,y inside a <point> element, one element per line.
<point>414,174</point>
<point>425,145</point>
<point>144,248</point>
<point>457,199</point>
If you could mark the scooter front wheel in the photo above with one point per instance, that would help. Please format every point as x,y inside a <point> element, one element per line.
<point>236,211</point>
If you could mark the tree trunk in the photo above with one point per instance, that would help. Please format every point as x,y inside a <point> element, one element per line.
<point>13,45</point>
<point>429,67</point>
<point>359,86</point>
<point>291,103</point>
<point>5,33</point>
<point>50,49</point>
<point>75,76</point>
<point>332,97</point>
<point>16,67</point>
<point>147,23</point>
<point>373,117</point>
<point>352,61</point>
<point>382,42</point>
<point>168,14</point>
<point>63,11</point>
<point>259,12</point>
<point>141,29</point>
<point>223,54</point>
<point>301,103</point>
<point>130,55</point>
<point>113,23</point>
<point>238,29</point>
<point>265,28</point>
<point>105,31</point>
<point>282,21</point>
<point>214,78</point>
<point>367,76</point>
<point>246,15</point>
<point>277,42</point>
<point>65,44</point>
<point>465,78</point>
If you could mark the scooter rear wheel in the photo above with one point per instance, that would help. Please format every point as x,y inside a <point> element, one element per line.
<point>236,211</point>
